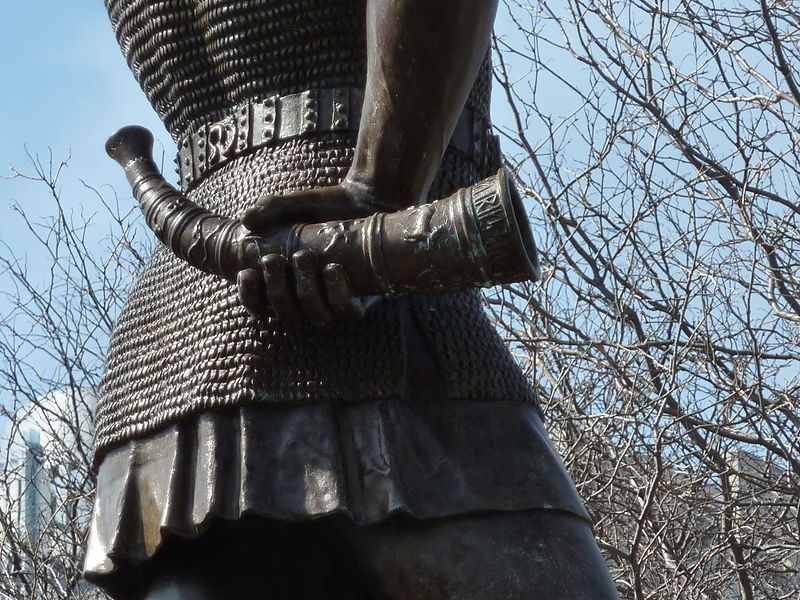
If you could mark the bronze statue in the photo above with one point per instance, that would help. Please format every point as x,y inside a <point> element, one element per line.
<point>336,422</point>
<point>473,238</point>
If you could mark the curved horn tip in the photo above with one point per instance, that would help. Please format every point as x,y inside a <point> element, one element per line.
<point>127,143</point>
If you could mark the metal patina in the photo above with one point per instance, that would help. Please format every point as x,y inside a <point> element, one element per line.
<point>303,397</point>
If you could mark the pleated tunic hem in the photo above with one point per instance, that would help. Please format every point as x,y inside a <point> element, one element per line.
<point>367,461</point>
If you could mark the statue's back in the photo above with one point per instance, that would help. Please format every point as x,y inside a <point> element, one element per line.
<point>208,416</point>
<point>183,345</point>
<point>196,58</point>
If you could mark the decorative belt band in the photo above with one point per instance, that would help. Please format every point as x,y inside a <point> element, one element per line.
<point>256,124</point>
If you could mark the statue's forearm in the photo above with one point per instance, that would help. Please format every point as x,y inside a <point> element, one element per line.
<point>423,56</point>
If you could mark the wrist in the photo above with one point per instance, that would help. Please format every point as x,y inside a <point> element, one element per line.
<point>380,193</point>
<point>367,196</point>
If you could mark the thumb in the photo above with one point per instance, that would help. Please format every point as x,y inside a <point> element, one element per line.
<point>272,210</point>
<point>310,206</point>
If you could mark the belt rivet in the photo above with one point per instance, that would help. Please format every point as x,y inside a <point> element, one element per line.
<point>301,114</point>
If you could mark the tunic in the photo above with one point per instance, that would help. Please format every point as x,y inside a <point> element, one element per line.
<point>207,413</point>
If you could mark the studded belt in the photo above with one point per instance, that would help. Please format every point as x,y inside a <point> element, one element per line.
<point>274,119</point>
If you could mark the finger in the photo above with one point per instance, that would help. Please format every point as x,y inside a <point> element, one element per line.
<point>263,213</point>
<point>340,296</point>
<point>271,210</point>
<point>280,291</point>
<point>309,289</point>
<point>307,206</point>
<point>252,293</point>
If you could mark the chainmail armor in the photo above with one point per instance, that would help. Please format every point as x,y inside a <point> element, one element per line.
<point>183,343</point>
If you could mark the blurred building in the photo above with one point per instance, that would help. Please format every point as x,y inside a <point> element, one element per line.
<point>45,489</point>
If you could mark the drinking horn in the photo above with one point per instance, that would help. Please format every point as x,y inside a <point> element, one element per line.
<point>479,236</point>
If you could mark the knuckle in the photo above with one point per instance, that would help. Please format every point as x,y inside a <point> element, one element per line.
<point>303,259</point>
<point>333,273</point>
<point>273,264</point>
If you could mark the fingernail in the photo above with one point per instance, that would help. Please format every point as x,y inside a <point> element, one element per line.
<point>273,262</point>
<point>303,259</point>
<point>332,272</point>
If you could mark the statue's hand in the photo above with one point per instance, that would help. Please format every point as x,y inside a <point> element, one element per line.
<point>348,200</point>
<point>300,289</point>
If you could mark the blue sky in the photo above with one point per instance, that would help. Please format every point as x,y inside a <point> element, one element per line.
<point>66,88</point>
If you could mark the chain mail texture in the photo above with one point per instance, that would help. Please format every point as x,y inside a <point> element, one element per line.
<point>183,344</point>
